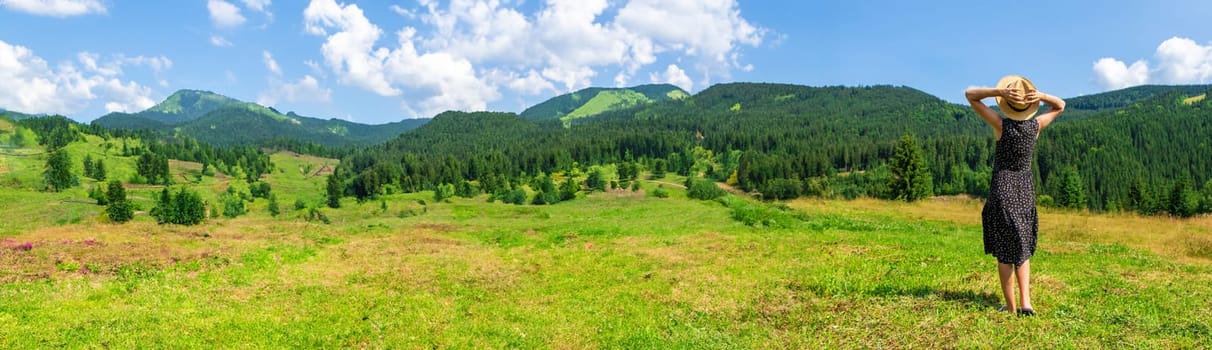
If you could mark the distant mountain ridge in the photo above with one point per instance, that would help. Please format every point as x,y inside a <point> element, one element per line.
<point>186,105</point>
<point>595,100</point>
<point>226,121</point>
<point>15,115</point>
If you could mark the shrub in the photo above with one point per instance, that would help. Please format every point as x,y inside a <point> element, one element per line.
<point>1044,200</point>
<point>660,192</point>
<point>596,181</point>
<point>259,189</point>
<point>233,204</point>
<point>273,205</point>
<point>703,189</point>
<point>97,194</point>
<point>182,208</point>
<point>443,192</point>
<point>781,189</point>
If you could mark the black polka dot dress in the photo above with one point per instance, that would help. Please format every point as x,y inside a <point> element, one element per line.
<point>1009,217</point>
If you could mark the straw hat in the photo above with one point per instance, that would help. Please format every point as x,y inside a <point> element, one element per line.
<point>1012,110</point>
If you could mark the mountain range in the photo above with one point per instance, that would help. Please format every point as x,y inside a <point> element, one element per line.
<point>224,121</point>
<point>1128,144</point>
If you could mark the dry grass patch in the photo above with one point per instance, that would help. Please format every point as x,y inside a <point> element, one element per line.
<point>66,251</point>
<point>106,249</point>
<point>1187,240</point>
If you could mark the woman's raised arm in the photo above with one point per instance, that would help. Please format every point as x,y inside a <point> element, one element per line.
<point>1056,103</point>
<point>976,94</point>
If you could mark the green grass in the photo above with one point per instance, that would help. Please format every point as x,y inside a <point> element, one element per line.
<point>607,270</point>
<point>294,177</point>
<point>606,101</point>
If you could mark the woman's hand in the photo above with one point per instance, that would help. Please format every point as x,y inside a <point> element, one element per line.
<point>1032,96</point>
<point>1015,96</point>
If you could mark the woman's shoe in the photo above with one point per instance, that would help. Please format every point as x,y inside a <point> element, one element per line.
<point>1026,312</point>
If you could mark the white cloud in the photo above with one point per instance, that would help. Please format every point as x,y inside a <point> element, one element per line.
<point>410,14</point>
<point>350,52</point>
<point>464,52</point>
<point>55,8</point>
<point>673,75</point>
<point>36,87</point>
<point>270,63</point>
<point>315,68</point>
<point>532,83</point>
<point>307,89</point>
<point>1176,61</point>
<point>1181,61</point>
<point>224,14</point>
<point>156,63</point>
<point>1114,74</point>
<point>257,5</point>
<point>219,41</point>
<point>711,30</point>
<point>91,63</point>
<point>448,82</point>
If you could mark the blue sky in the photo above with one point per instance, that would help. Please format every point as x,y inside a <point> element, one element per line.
<point>381,61</point>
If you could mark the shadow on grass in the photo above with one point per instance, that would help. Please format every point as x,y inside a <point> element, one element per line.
<point>965,297</point>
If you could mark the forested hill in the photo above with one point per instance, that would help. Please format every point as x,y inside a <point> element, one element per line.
<point>817,131</point>
<point>14,115</point>
<point>1081,107</point>
<point>593,101</point>
<point>784,141</point>
<point>224,121</point>
<point>186,105</point>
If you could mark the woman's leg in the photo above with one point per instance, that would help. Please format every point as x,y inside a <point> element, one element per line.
<point>1023,273</point>
<point>1005,274</point>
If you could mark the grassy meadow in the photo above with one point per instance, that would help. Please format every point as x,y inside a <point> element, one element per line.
<point>618,269</point>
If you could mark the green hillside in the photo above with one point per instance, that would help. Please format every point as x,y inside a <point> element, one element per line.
<point>186,105</point>
<point>221,120</point>
<point>1084,106</point>
<point>593,101</point>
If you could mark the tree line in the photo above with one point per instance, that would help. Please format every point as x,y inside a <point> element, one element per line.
<point>785,141</point>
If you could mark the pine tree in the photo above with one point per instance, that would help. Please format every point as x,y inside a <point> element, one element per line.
<point>1072,193</point>
<point>58,175</point>
<point>88,165</point>
<point>596,181</point>
<point>1205,201</point>
<point>273,206</point>
<point>334,190</point>
<point>568,189</point>
<point>164,211</point>
<point>1184,202</point>
<point>658,168</point>
<point>911,179</point>
<point>545,192</point>
<point>99,170</point>
<point>189,207</point>
<point>118,209</point>
<point>233,204</point>
<point>96,193</point>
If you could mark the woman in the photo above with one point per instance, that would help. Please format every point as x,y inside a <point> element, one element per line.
<point>1009,217</point>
